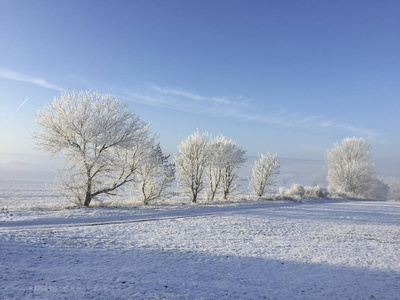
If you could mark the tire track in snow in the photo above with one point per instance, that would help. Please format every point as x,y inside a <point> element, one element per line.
<point>169,215</point>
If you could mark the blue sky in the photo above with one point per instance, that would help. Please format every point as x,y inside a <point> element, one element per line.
<point>291,77</point>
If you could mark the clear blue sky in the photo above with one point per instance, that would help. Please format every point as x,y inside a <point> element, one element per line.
<point>291,77</point>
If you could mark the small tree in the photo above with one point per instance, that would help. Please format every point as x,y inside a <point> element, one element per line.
<point>154,174</point>
<point>351,170</point>
<point>101,139</point>
<point>233,159</point>
<point>191,161</point>
<point>263,173</point>
<point>215,164</point>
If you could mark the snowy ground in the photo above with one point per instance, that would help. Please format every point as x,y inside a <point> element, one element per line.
<point>315,250</point>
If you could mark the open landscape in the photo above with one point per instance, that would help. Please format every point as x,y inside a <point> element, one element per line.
<point>239,249</point>
<point>199,149</point>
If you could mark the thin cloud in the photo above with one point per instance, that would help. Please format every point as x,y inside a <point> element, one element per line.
<point>221,107</point>
<point>237,101</point>
<point>238,110</point>
<point>371,135</point>
<point>12,75</point>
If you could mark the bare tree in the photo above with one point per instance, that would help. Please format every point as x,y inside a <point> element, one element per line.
<point>263,172</point>
<point>154,174</point>
<point>191,161</point>
<point>350,167</point>
<point>101,139</point>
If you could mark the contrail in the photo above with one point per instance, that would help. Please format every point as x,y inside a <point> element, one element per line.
<point>17,109</point>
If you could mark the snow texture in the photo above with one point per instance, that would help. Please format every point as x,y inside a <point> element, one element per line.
<point>315,250</point>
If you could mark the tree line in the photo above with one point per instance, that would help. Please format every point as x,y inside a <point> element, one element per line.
<point>107,149</point>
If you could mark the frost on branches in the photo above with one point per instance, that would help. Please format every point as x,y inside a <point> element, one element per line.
<point>263,173</point>
<point>101,139</point>
<point>225,158</point>
<point>155,174</point>
<point>351,170</point>
<point>191,162</point>
<point>202,158</point>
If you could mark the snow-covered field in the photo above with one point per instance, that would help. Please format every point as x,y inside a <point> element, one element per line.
<point>320,249</point>
<point>244,249</point>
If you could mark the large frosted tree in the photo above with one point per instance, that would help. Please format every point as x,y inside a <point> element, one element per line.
<point>102,140</point>
<point>351,170</point>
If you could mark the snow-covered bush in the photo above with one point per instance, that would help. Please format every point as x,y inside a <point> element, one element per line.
<point>394,188</point>
<point>350,168</point>
<point>154,174</point>
<point>263,173</point>
<point>318,192</point>
<point>191,162</point>
<point>102,141</point>
<point>296,191</point>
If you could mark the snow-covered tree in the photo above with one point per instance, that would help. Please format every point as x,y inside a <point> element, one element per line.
<point>394,188</point>
<point>191,162</point>
<point>263,172</point>
<point>215,164</point>
<point>233,159</point>
<point>154,174</point>
<point>350,167</point>
<point>102,140</point>
<point>377,189</point>
<point>224,158</point>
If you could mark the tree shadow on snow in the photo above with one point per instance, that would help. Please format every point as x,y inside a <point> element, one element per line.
<point>56,272</point>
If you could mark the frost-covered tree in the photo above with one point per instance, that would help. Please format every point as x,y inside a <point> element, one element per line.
<point>154,174</point>
<point>377,189</point>
<point>233,159</point>
<point>191,162</point>
<point>263,173</point>
<point>350,167</point>
<point>215,164</point>
<point>102,140</point>
<point>224,158</point>
<point>394,188</point>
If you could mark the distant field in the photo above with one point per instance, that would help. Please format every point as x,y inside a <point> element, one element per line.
<point>25,188</point>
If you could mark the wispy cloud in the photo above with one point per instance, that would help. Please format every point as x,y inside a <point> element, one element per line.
<point>239,109</point>
<point>235,101</point>
<point>369,134</point>
<point>235,108</point>
<point>12,75</point>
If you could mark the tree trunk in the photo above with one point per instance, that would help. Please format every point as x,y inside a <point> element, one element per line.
<point>194,198</point>
<point>88,196</point>
<point>226,192</point>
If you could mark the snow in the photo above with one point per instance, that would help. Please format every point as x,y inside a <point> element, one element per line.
<point>320,249</point>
